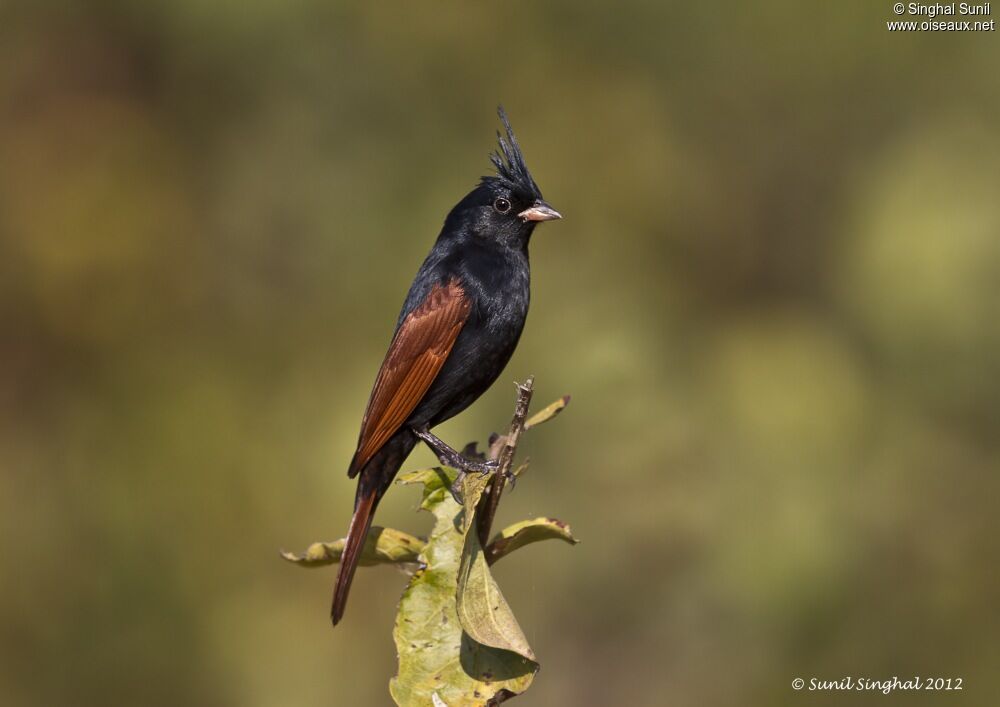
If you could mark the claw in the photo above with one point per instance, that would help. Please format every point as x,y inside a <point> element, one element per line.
<point>456,492</point>
<point>489,467</point>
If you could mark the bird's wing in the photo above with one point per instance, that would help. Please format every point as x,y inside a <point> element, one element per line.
<point>418,350</point>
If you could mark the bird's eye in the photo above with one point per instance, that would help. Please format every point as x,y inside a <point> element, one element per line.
<point>501,205</point>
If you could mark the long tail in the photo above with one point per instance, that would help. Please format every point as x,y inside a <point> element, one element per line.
<point>361,522</point>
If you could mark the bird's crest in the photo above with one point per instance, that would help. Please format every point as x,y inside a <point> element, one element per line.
<point>509,162</point>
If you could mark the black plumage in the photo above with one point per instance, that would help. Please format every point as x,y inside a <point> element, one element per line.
<point>458,328</point>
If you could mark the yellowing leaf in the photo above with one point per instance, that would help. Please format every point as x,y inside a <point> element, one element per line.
<point>483,611</point>
<point>473,486</point>
<point>439,663</point>
<point>526,532</point>
<point>382,546</point>
<point>547,413</point>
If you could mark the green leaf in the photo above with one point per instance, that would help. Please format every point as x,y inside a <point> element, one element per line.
<point>437,483</point>
<point>547,413</point>
<point>439,663</point>
<point>526,532</point>
<point>382,546</point>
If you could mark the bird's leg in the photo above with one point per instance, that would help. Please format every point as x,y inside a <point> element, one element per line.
<point>455,459</point>
<point>452,457</point>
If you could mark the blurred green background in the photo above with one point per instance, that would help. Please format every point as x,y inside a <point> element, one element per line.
<point>774,298</point>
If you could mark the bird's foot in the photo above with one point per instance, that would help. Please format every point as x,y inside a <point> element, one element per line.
<point>456,486</point>
<point>455,459</point>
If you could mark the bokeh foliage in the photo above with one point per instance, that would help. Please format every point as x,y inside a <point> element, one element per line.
<point>774,298</point>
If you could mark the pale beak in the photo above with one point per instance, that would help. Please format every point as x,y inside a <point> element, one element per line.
<point>539,211</point>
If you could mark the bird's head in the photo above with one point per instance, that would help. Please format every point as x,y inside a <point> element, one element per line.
<point>505,207</point>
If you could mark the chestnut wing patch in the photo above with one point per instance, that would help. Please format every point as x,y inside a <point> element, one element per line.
<point>415,357</point>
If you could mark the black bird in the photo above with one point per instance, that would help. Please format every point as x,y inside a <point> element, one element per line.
<point>459,325</point>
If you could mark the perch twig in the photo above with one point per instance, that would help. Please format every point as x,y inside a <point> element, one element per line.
<point>503,450</point>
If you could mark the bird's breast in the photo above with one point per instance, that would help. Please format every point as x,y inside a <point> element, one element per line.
<point>502,302</point>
